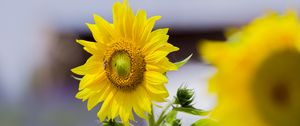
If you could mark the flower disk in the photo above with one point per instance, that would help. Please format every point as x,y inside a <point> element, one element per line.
<point>124,65</point>
<point>258,78</point>
<point>126,71</point>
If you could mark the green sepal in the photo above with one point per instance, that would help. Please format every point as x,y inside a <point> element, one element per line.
<point>184,96</point>
<point>184,61</point>
<point>191,110</point>
<point>76,78</point>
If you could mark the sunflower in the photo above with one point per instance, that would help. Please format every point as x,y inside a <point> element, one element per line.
<point>258,73</point>
<point>126,70</point>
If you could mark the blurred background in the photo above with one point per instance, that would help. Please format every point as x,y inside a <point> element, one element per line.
<point>38,51</point>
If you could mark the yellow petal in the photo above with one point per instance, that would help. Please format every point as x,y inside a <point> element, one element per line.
<point>156,56</point>
<point>169,48</point>
<point>155,43</point>
<point>118,17</point>
<point>213,52</point>
<point>149,26</point>
<point>95,32</point>
<point>90,80</point>
<point>104,108</point>
<point>84,94</point>
<point>116,12</point>
<point>104,27</point>
<point>138,26</point>
<point>143,102</point>
<point>128,20</point>
<point>155,78</point>
<point>156,89</point>
<point>162,66</point>
<point>88,46</point>
<point>162,31</point>
<point>115,105</point>
<point>132,102</point>
<point>125,108</point>
<point>102,90</point>
<point>93,101</point>
<point>139,111</point>
<point>159,97</point>
<point>157,93</point>
<point>166,64</point>
<point>92,66</point>
<point>107,90</point>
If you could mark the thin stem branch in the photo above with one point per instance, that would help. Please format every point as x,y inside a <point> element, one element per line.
<point>151,119</point>
<point>162,115</point>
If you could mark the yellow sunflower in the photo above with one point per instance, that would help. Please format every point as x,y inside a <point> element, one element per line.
<point>258,73</point>
<point>127,66</point>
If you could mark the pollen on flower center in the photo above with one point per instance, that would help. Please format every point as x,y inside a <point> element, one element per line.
<point>124,65</point>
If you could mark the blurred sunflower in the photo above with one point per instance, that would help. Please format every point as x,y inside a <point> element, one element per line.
<point>127,66</point>
<point>258,73</point>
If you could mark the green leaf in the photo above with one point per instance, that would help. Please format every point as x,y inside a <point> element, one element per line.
<point>191,110</point>
<point>151,119</point>
<point>205,122</point>
<point>171,116</point>
<point>182,62</point>
<point>163,116</point>
<point>171,120</point>
<point>76,78</point>
<point>158,106</point>
<point>111,122</point>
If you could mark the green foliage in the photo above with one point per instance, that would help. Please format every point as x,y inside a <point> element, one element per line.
<point>111,122</point>
<point>184,61</point>
<point>171,119</point>
<point>191,110</point>
<point>76,78</point>
<point>205,122</point>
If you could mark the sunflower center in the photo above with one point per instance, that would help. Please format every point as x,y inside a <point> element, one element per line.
<point>280,94</point>
<point>124,65</point>
<point>276,88</point>
<point>121,63</point>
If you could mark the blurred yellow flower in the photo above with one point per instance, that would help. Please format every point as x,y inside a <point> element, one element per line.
<point>258,73</point>
<point>127,66</point>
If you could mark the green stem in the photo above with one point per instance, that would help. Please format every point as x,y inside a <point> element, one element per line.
<point>162,116</point>
<point>151,117</point>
